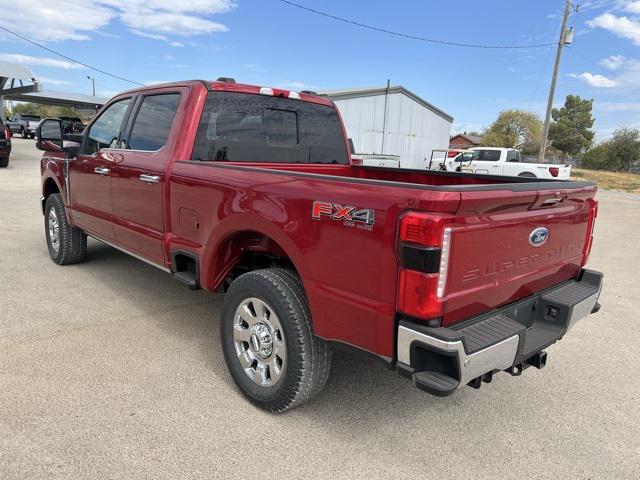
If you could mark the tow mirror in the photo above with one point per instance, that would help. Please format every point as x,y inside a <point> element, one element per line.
<point>49,135</point>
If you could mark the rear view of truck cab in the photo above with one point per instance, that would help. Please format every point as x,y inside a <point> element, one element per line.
<point>490,288</point>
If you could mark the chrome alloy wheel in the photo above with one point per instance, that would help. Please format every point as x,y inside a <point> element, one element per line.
<point>259,342</point>
<point>54,230</point>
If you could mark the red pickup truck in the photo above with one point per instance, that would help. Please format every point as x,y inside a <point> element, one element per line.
<point>248,190</point>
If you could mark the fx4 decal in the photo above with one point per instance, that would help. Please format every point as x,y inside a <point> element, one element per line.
<point>352,216</point>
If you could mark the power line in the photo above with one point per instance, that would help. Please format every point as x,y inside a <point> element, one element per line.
<point>68,58</point>
<point>413,37</point>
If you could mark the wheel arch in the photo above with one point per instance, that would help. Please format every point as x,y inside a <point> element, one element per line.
<point>233,249</point>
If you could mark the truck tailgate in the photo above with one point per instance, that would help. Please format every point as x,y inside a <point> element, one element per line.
<point>508,245</point>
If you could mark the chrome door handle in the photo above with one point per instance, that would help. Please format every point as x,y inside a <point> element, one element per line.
<point>149,178</point>
<point>101,170</point>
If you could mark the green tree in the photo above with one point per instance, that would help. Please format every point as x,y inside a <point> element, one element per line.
<point>514,129</point>
<point>29,108</point>
<point>619,153</point>
<point>570,131</point>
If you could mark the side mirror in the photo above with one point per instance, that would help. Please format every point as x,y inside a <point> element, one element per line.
<point>49,135</point>
<point>465,157</point>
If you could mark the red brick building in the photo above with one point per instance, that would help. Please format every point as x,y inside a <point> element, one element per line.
<point>463,141</point>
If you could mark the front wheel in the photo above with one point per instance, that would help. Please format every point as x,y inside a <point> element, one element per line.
<point>269,346</point>
<point>66,244</point>
<point>24,133</point>
<point>32,136</point>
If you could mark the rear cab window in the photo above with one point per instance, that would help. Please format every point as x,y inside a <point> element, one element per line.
<point>242,127</point>
<point>486,155</point>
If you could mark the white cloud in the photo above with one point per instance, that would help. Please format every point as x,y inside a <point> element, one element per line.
<point>633,7</point>
<point>298,85</point>
<point>149,18</point>
<point>168,57</point>
<point>623,27</point>
<point>53,81</point>
<point>152,36</point>
<point>50,22</point>
<point>618,106</point>
<point>613,62</point>
<point>176,44</point>
<point>39,61</point>
<point>595,80</point>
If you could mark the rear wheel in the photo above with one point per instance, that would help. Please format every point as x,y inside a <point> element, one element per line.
<point>32,135</point>
<point>4,162</point>
<point>66,244</point>
<point>269,346</point>
<point>24,133</point>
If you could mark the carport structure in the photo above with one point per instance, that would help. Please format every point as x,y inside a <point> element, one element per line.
<point>18,82</point>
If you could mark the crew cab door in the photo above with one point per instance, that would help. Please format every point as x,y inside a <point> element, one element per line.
<point>138,185</point>
<point>487,162</point>
<point>90,171</point>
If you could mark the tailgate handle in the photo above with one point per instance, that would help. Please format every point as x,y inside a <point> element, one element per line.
<point>551,201</point>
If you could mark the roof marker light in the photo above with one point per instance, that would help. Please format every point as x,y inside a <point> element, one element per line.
<point>294,95</point>
<point>266,91</point>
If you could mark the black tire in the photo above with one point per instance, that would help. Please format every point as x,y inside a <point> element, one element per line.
<point>4,162</point>
<point>308,358</point>
<point>527,175</point>
<point>72,242</point>
<point>32,136</point>
<point>24,133</point>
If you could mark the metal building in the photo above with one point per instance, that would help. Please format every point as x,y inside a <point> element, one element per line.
<point>412,127</point>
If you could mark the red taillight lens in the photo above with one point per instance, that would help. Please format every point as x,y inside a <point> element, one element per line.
<point>592,223</point>
<point>356,161</point>
<point>422,284</point>
<point>417,294</point>
<point>423,229</point>
<point>554,171</point>
<point>7,134</point>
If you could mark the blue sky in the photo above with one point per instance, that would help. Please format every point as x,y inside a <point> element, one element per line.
<point>269,43</point>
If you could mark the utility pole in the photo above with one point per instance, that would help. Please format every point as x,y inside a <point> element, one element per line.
<point>554,78</point>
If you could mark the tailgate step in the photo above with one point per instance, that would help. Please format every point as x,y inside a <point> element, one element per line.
<point>188,278</point>
<point>435,383</point>
<point>489,331</point>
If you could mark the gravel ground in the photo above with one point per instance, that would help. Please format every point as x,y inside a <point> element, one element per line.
<point>110,369</point>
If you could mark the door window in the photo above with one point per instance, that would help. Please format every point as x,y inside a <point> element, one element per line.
<point>486,155</point>
<point>153,122</point>
<point>105,131</point>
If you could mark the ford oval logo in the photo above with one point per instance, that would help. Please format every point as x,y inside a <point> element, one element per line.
<point>539,237</point>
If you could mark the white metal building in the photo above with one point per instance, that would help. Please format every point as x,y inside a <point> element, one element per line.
<point>413,127</point>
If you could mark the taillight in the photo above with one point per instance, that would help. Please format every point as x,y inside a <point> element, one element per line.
<point>592,222</point>
<point>356,161</point>
<point>554,171</point>
<point>7,134</point>
<point>425,242</point>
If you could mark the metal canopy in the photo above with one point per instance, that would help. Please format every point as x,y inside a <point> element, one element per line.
<point>16,79</point>
<point>63,99</point>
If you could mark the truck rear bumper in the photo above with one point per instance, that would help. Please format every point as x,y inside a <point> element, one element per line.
<point>440,360</point>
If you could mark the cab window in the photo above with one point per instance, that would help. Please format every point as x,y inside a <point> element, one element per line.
<point>105,131</point>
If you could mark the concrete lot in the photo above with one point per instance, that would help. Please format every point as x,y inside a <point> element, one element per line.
<point>110,369</point>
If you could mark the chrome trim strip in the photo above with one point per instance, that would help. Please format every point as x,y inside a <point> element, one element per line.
<point>496,357</point>
<point>583,308</point>
<point>164,269</point>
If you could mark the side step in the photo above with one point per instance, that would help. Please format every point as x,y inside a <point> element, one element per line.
<point>435,383</point>
<point>187,278</point>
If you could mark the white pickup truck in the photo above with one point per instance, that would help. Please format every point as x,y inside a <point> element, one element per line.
<point>504,161</point>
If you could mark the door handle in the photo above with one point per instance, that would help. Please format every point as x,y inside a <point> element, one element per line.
<point>149,178</point>
<point>101,170</point>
